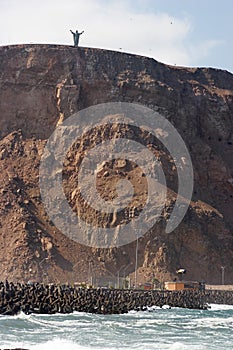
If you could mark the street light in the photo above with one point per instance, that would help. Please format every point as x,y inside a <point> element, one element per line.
<point>136,264</point>
<point>90,277</point>
<point>118,276</point>
<point>127,266</point>
<point>223,274</point>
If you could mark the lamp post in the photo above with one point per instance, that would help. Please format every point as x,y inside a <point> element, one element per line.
<point>118,276</point>
<point>136,264</point>
<point>223,274</point>
<point>118,279</point>
<point>127,266</point>
<point>90,278</point>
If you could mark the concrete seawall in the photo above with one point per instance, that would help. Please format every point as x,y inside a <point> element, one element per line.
<point>227,287</point>
<point>219,297</point>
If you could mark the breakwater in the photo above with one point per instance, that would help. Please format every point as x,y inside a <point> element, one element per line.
<point>50,299</point>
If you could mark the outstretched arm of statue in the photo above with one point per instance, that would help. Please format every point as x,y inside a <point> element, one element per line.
<point>82,32</point>
<point>71,31</point>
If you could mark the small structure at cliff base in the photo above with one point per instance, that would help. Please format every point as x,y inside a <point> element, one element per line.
<point>184,285</point>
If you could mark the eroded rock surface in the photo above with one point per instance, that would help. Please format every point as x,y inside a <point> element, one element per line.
<point>42,85</point>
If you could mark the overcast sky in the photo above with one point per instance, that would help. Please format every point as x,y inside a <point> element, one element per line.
<point>181,32</point>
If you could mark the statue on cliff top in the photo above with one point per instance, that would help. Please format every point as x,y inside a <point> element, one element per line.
<point>76,36</point>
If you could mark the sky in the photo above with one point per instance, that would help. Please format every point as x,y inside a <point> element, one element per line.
<point>177,32</point>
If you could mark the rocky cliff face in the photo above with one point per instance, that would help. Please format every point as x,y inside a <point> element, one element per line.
<point>42,85</point>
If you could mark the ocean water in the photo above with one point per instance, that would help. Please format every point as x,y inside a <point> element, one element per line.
<point>174,329</point>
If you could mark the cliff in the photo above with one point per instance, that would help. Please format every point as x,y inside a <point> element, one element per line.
<point>41,86</point>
